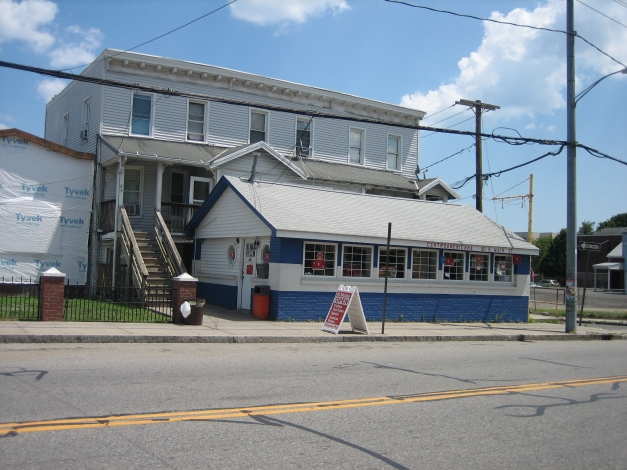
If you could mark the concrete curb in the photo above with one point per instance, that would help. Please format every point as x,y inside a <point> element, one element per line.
<point>6,339</point>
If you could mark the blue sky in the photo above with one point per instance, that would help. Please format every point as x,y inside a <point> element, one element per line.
<point>384,51</point>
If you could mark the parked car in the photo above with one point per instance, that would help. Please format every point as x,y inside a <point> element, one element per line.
<point>532,284</point>
<point>548,283</point>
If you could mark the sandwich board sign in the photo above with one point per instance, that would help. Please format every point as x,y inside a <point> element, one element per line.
<point>346,302</point>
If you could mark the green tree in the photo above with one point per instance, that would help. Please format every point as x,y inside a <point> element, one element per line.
<point>618,220</point>
<point>586,228</point>
<point>553,263</point>
<point>543,244</point>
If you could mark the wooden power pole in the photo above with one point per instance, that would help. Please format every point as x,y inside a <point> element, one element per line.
<point>478,107</point>
<point>523,196</point>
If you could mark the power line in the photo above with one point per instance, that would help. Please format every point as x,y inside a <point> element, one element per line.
<point>162,35</point>
<point>438,112</point>
<point>602,14</point>
<point>621,3</point>
<point>515,186</point>
<point>447,128</point>
<point>456,153</point>
<point>505,23</point>
<point>446,119</point>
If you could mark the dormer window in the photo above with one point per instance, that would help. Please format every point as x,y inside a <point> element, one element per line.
<point>196,121</point>
<point>303,137</point>
<point>257,127</point>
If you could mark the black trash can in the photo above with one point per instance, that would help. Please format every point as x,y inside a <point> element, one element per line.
<point>196,315</point>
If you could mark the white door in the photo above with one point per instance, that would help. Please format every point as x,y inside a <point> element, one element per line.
<point>248,271</point>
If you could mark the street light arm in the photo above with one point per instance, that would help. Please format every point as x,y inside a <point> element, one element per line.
<point>585,91</point>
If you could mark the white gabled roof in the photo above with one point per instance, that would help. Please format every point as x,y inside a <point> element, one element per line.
<point>306,212</point>
<point>617,252</point>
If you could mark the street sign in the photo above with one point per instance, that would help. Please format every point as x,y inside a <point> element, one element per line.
<point>589,246</point>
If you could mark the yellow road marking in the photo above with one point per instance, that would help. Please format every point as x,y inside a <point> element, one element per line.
<point>242,412</point>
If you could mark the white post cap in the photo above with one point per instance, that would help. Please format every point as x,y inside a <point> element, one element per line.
<point>53,272</point>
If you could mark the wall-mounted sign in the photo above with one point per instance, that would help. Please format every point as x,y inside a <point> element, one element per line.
<point>449,261</point>
<point>231,255</point>
<point>516,259</point>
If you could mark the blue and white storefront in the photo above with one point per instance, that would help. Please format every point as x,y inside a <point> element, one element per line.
<point>446,262</point>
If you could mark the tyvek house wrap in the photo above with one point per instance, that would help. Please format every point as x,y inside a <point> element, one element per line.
<point>45,206</point>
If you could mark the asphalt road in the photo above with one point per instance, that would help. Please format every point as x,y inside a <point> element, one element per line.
<point>599,300</point>
<point>374,405</point>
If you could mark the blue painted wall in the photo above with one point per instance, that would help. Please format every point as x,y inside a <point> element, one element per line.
<point>218,294</point>
<point>300,306</point>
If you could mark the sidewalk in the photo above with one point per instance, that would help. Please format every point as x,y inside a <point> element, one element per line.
<point>225,326</point>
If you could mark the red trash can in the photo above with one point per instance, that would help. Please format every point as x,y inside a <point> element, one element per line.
<point>261,302</point>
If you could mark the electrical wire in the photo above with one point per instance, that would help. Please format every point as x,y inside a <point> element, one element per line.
<point>438,112</point>
<point>456,153</point>
<point>452,116</point>
<point>505,23</point>
<point>452,125</point>
<point>512,187</point>
<point>602,14</point>
<point>160,36</point>
<point>487,155</point>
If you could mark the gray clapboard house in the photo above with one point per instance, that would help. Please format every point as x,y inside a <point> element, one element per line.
<point>159,156</point>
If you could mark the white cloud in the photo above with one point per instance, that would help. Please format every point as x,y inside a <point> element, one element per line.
<point>524,70</point>
<point>282,12</point>
<point>25,21</point>
<point>50,87</point>
<point>77,52</point>
<point>3,126</point>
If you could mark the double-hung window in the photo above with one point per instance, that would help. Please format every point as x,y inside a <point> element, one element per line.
<point>394,261</point>
<point>196,121</point>
<point>502,268</point>
<point>453,269</point>
<point>357,261</point>
<point>394,153</point>
<point>257,127</point>
<point>424,264</point>
<point>320,259</point>
<point>356,146</point>
<point>142,112</point>
<point>479,266</point>
<point>303,137</point>
<point>132,190</point>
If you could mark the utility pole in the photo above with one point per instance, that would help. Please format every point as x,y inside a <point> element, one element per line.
<point>523,196</point>
<point>478,107</point>
<point>571,175</point>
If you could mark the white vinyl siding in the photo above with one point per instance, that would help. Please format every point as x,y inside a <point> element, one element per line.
<point>231,217</point>
<point>214,258</point>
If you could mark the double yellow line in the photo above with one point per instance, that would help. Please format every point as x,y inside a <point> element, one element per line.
<point>230,413</point>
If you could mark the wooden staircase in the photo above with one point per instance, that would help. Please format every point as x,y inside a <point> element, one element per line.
<point>158,276</point>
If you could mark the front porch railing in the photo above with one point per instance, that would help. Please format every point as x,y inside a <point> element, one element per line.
<point>167,247</point>
<point>176,215</point>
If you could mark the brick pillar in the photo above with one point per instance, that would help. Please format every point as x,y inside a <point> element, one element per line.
<point>51,295</point>
<point>183,287</point>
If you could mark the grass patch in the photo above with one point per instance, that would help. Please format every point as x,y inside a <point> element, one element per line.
<point>608,315</point>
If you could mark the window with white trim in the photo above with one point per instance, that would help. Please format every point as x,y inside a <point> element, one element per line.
<point>64,129</point>
<point>85,122</point>
<point>356,146</point>
<point>424,264</point>
<point>141,115</point>
<point>479,267</point>
<point>303,137</point>
<point>394,153</point>
<point>356,261</point>
<point>199,189</point>
<point>319,259</point>
<point>503,268</point>
<point>258,127</point>
<point>453,269</point>
<point>396,262</point>
<point>133,183</point>
<point>196,121</point>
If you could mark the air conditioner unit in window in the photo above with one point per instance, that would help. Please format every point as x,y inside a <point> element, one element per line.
<point>303,151</point>
<point>132,209</point>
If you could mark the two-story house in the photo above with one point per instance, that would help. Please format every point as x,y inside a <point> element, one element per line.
<point>160,155</point>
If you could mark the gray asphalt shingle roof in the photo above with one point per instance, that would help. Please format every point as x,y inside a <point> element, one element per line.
<point>185,152</point>
<point>336,215</point>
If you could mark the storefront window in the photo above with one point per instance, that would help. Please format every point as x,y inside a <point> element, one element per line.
<point>395,263</point>
<point>502,268</point>
<point>453,266</point>
<point>357,261</point>
<point>319,259</point>
<point>424,264</point>
<point>479,267</point>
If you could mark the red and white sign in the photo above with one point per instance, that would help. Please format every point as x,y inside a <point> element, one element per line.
<point>449,262</point>
<point>516,259</point>
<point>346,301</point>
<point>479,259</point>
<point>249,269</point>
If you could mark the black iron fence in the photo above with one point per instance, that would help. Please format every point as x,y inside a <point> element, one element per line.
<point>19,298</point>
<point>117,304</point>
